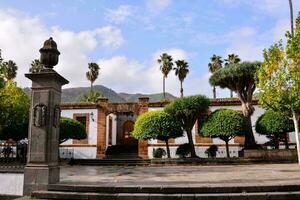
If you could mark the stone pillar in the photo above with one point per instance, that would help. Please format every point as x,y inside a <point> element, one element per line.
<point>42,166</point>
<point>101,127</point>
<point>143,145</point>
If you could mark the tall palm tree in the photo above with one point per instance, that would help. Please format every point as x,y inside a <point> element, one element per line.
<point>166,66</point>
<point>93,73</point>
<point>181,70</point>
<point>10,70</point>
<point>232,59</point>
<point>292,17</point>
<point>36,66</point>
<point>213,66</point>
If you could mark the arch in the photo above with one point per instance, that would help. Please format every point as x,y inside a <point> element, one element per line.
<point>127,128</point>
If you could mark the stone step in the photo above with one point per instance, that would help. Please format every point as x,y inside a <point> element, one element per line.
<point>160,196</point>
<point>171,189</point>
<point>105,162</point>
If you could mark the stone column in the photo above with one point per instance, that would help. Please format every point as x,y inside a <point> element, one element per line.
<point>101,127</point>
<point>143,145</point>
<point>42,166</point>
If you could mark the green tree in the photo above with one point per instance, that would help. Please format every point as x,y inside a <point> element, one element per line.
<point>91,97</point>
<point>9,69</point>
<point>279,78</point>
<point>240,78</point>
<point>181,70</point>
<point>166,66</point>
<point>276,126</point>
<point>214,66</point>
<point>187,110</point>
<point>225,124</point>
<point>157,125</point>
<point>36,66</point>
<point>71,129</point>
<point>14,112</point>
<point>93,73</point>
<point>232,59</point>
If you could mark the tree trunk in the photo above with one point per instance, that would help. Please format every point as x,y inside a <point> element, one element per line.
<point>248,110</point>
<point>168,148</point>
<point>181,89</point>
<point>190,138</point>
<point>286,141</point>
<point>214,92</point>
<point>91,86</point>
<point>296,124</point>
<point>164,89</point>
<point>227,149</point>
<point>231,94</point>
<point>292,17</point>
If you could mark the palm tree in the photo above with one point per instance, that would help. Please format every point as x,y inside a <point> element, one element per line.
<point>292,17</point>
<point>10,70</point>
<point>166,66</point>
<point>232,59</point>
<point>36,66</point>
<point>213,66</point>
<point>181,70</point>
<point>93,73</point>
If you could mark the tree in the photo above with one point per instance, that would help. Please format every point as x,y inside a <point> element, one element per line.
<point>71,129</point>
<point>93,73</point>
<point>91,97</point>
<point>157,125</point>
<point>36,66</point>
<point>181,70</point>
<point>10,70</point>
<point>279,79</point>
<point>240,78</point>
<point>225,124</point>
<point>166,66</point>
<point>214,66</point>
<point>275,125</point>
<point>14,112</point>
<point>187,110</point>
<point>232,59</point>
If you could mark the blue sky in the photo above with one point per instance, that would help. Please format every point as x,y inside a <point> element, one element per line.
<point>126,37</point>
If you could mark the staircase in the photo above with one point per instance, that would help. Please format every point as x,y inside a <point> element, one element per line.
<point>155,192</point>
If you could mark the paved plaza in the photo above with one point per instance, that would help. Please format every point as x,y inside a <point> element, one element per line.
<point>194,176</point>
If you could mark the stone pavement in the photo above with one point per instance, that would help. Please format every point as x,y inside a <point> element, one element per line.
<point>183,176</point>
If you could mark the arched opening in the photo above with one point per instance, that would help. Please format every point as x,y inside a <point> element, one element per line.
<point>127,128</point>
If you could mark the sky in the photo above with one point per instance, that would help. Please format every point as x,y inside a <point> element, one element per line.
<point>126,37</point>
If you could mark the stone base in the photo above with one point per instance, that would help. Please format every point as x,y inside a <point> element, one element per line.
<point>271,154</point>
<point>38,177</point>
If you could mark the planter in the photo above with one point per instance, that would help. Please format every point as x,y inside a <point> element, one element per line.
<point>271,154</point>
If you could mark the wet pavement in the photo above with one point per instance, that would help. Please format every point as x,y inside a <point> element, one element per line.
<point>226,175</point>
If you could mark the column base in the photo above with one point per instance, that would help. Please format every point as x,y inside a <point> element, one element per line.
<point>38,177</point>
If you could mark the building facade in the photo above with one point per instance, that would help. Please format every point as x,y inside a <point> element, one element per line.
<point>109,125</point>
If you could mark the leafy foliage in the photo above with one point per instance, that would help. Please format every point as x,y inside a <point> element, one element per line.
<point>9,70</point>
<point>214,66</point>
<point>71,129</point>
<point>92,97</point>
<point>187,110</point>
<point>157,125</point>
<point>183,150</point>
<point>93,73</point>
<point>275,125</point>
<point>181,70</point>
<point>14,112</point>
<point>36,66</point>
<point>232,59</point>
<point>279,77</point>
<point>159,153</point>
<point>225,124</point>
<point>212,151</point>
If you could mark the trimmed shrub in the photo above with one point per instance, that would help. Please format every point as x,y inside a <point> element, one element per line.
<point>159,153</point>
<point>212,151</point>
<point>183,150</point>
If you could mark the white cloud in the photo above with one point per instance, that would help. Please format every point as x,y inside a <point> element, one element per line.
<point>120,14</point>
<point>22,36</point>
<point>157,6</point>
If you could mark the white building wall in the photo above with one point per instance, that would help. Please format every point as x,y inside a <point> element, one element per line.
<point>85,151</point>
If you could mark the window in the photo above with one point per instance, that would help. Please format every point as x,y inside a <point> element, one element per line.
<point>83,118</point>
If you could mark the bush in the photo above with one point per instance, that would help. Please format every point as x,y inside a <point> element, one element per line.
<point>183,150</point>
<point>71,129</point>
<point>159,153</point>
<point>212,151</point>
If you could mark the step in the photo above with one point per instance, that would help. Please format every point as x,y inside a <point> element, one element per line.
<point>160,196</point>
<point>170,189</point>
<point>121,162</point>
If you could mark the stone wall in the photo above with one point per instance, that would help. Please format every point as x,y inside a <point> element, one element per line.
<point>283,154</point>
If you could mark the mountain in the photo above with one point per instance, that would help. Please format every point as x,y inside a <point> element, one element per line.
<point>74,95</point>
